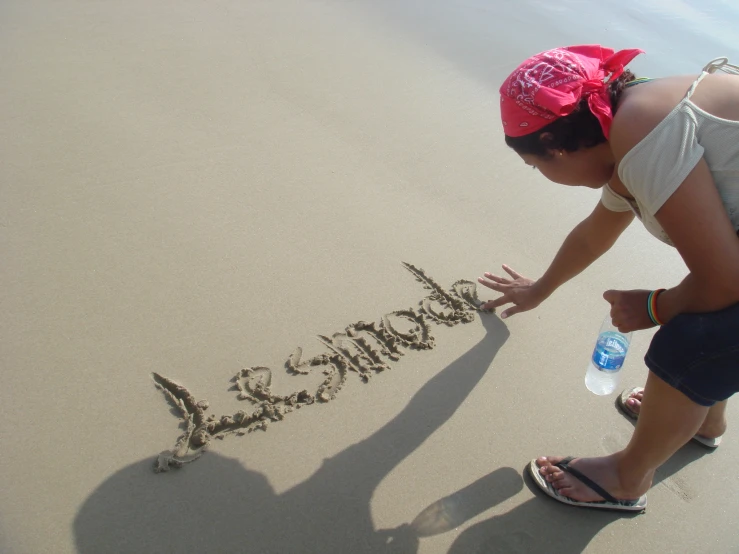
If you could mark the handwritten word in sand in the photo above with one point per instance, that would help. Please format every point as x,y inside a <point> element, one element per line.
<point>363,348</point>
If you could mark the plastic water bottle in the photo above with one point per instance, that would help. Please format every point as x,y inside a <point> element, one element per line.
<point>607,360</point>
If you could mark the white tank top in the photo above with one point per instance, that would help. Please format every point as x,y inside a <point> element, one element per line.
<point>653,169</point>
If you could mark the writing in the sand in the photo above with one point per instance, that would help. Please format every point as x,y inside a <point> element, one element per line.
<point>363,348</point>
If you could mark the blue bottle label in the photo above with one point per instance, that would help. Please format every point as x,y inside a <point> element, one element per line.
<point>610,352</point>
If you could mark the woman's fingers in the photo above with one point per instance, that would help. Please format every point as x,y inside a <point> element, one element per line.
<point>517,291</point>
<point>511,272</point>
<point>492,285</point>
<point>497,279</point>
<point>511,311</point>
<point>492,304</point>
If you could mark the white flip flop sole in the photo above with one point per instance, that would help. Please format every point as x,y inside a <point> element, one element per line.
<point>639,506</point>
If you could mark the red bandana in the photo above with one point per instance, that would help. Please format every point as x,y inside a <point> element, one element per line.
<point>550,85</point>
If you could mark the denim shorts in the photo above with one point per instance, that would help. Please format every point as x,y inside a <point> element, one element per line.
<point>698,354</point>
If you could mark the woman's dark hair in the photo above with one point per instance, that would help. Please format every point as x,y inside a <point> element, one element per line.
<point>580,129</point>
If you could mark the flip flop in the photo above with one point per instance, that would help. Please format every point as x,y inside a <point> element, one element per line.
<point>625,408</point>
<point>610,503</point>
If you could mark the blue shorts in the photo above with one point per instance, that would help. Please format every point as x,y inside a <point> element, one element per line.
<point>698,354</point>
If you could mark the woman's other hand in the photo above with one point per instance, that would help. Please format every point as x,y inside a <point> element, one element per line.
<point>629,309</point>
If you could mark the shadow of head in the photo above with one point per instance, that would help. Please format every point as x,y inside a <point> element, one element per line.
<point>217,505</point>
<point>216,502</point>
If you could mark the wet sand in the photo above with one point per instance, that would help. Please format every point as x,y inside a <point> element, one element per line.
<point>217,198</point>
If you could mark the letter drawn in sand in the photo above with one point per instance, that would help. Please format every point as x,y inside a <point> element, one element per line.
<point>455,305</point>
<point>364,348</point>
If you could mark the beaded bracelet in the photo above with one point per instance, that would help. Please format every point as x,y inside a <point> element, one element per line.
<point>652,306</point>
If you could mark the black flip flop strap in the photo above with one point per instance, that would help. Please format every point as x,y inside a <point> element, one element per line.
<point>564,465</point>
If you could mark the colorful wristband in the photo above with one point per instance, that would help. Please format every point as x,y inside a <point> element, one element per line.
<point>652,306</point>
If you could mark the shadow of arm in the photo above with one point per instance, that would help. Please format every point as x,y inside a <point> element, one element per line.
<point>427,411</point>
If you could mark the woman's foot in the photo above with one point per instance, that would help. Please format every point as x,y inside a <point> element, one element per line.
<point>713,426</point>
<point>603,471</point>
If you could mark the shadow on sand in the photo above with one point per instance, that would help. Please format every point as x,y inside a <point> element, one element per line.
<point>217,505</point>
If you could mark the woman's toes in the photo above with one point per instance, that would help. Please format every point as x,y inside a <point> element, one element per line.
<point>560,485</point>
<point>563,489</point>
<point>554,477</point>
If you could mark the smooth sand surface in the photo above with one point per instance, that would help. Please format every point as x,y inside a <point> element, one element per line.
<point>196,187</point>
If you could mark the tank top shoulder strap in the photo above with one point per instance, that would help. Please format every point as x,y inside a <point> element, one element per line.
<point>718,64</point>
<point>721,64</point>
<point>692,88</point>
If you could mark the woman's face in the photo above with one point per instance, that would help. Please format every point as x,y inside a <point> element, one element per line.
<point>587,167</point>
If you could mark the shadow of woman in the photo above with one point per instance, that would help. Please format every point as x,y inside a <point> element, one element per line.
<point>216,505</point>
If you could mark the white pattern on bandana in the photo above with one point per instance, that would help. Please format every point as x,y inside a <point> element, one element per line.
<point>528,81</point>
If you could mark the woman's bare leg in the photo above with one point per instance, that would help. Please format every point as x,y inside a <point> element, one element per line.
<point>667,420</point>
<point>713,426</point>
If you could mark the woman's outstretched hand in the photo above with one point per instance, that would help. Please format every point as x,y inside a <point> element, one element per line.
<point>519,291</point>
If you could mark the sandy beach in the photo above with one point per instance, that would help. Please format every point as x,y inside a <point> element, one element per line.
<point>250,201</point>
